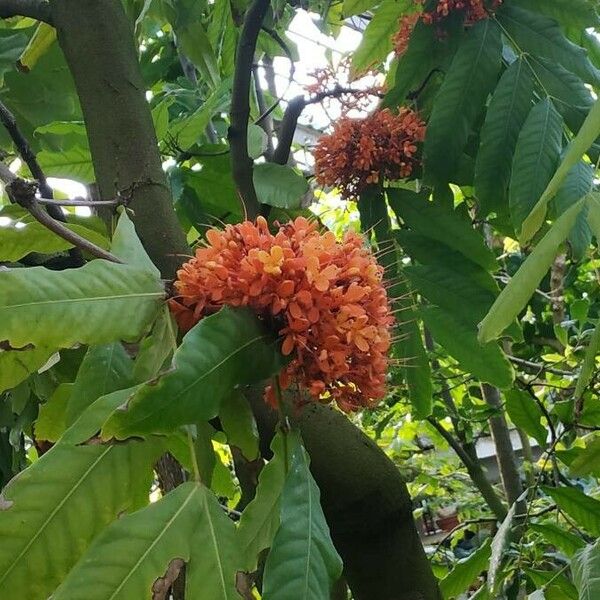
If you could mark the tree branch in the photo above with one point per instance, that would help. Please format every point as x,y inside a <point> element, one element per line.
<point>36,9</point>
<point>241,163</point>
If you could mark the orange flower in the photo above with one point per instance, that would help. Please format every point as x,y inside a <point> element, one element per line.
<point>360,152</point>
<point>325,297</point>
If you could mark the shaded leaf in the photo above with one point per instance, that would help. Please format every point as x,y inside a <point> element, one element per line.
<point>558,536</point>
<point>17,365</point>
<point>72,163</point>
<point>279,185</point>
<point>583,509</point>
<point>51,422</point>
<point>586,572</point>
<point>588,460</point>
<point>525,413</point>
<point>465,571</point>
<point>238,424</point>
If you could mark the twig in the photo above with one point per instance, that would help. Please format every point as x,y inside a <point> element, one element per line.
<point>78,202</point>
<point>36,9</point>
<point>539,367</point>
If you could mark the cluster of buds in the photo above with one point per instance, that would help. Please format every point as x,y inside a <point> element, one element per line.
<point>325,298</point>
<point>362,152</point>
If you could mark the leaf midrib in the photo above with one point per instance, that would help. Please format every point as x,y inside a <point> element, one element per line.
<point>86,299</point>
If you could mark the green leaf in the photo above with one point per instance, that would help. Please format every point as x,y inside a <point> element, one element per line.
<point>160,117</point>
<point>465,571</point>
<point>260,519</point>
<point>580,14</point>
<point>104,369</point>
<point>156,348</point>
<point>525,413</point>
<point>558,536</point>
<point>279,185</point>
<point>461,98</point>
<point>95,304</point>
<point>499,544</point>
<point>506,113</point>
<point>583,509</point>
<point>222,351</point>
<point>239,425</point>
<point>583,140</point>
<point>58,505</point>
<point>355,7</point>
<point>72,163</point>
<point>40,41</point>
<point>586,572</point>
<point>195,45</point>
<point>257,141</point>
<point>441,224</point>
<point>588,366</point>
<point>303,563</point>
<point>536,156</point>
<point>486,363</point>
<point>514,297</point>
<point>51,422</point>
<point>588,460</point>
<point>539,35</point>
<point>128,558</point>
<point>17,365</point>
<point>376,40</point>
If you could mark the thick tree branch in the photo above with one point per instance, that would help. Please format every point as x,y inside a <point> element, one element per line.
<point>241,163</point>
<point>36,9</point>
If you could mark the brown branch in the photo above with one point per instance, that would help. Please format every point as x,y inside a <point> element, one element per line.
<point>538,367</point>
<point>36,9</point>
<point>241,163</point>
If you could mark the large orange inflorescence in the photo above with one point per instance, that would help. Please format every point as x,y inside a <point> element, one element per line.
<point>326,298</point>
<point>361,152</point>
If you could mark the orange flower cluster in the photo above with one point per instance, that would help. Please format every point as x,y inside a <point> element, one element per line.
<point>401,38</point>
<point>325,297</point>
<point>360,152</point>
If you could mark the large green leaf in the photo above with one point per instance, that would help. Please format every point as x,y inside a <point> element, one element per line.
<point>588,459</point>
<point>465,571</point>
<point>17,365</point>
<point>238,425</point>
<point>540,35</point>
<point>97,303</point>
<point>514,297</point>
<point>583,140</point>
<point>583,509</point>
<point>506,113</point>
<point>487,363</point>
<point>73,163</point>
<point>441,224</point>
<point>53,510</point>
<point>130,556</point>
<point>536,157</point>
<point>104,369</point>
<point>569,13</point>
<point>558,536</point>
<point>376,40</point>
<point>303,563</point>
<point>222,351</point>
<point>586,572</point>
<point>195,44</point>
<point>279,185</point>
<point>260,519</point>
<point>525,413</point>
<point>51,422</point>
<point>461,98</point>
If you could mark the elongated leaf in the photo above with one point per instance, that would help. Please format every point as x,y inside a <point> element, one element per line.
<point>505,116</point>
<point>586,572</point>
<point>104,369</point>
<point>58,505</point>
<point>536,157</point>
<point>196,46</point>
<point>470,78</point>
<point>569,13</point>
<point>514,297</point>
<point>583,140</point>
<point>583,509</point>
<point>376,41</point>
<point>155,348</point>
<point>487,362</point>
<point>279,185</point>
<point>239,425</point>
<point>17,365</point>
<point>224,350</point>
<point>539,35</point>
<point>132,554</point>
<point>72,163</point>
<point>303,563</point>
<point>51,422</point>
<point>441,224</point>
<point>588,460</point>
<point>589,364</point>
<point>499,544</point>
<point>558,536</point>
<point>40,41</point>
<point>465,571</point>
<point>526,414</point>
<point>553,584</point>
<point>98,303</point>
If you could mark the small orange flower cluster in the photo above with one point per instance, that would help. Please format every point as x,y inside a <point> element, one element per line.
<point>326,299</point>
<point>360,152</point>
<point>401,38</point>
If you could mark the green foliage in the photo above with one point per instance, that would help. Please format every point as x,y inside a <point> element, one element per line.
<point>586,571</point>
<point>564,540</point>
<point>584,510</point>
<point>498,547</point>
<point>525,413</point>
<point>464,572</point>
<point>239,426</point>
<point>279,185</point>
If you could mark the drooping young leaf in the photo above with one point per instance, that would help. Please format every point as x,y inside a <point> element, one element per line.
<point>464,572</point>
<point>514,297</point>
<point>525,413</point>
<point>59,504</point>
<point>535,159</point>
<point>51,422</point>
<point>487,362</point>
<point>104,369</point>
<point>583,509</point>
<point>260,519</point>
<point>279,185</point>
<point>17,365</point>
<point>586,571</point>
<point>43,37</point>
<point>470,78</point>
<point>303,563</point>
<point>558,536</point>
<point>239,425</point>
<point>506,113</point>
<point>227,349</point>
<point>131,556</point>
<point>540,35</point>
<point>97,303</point>
<point>499,544</point>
